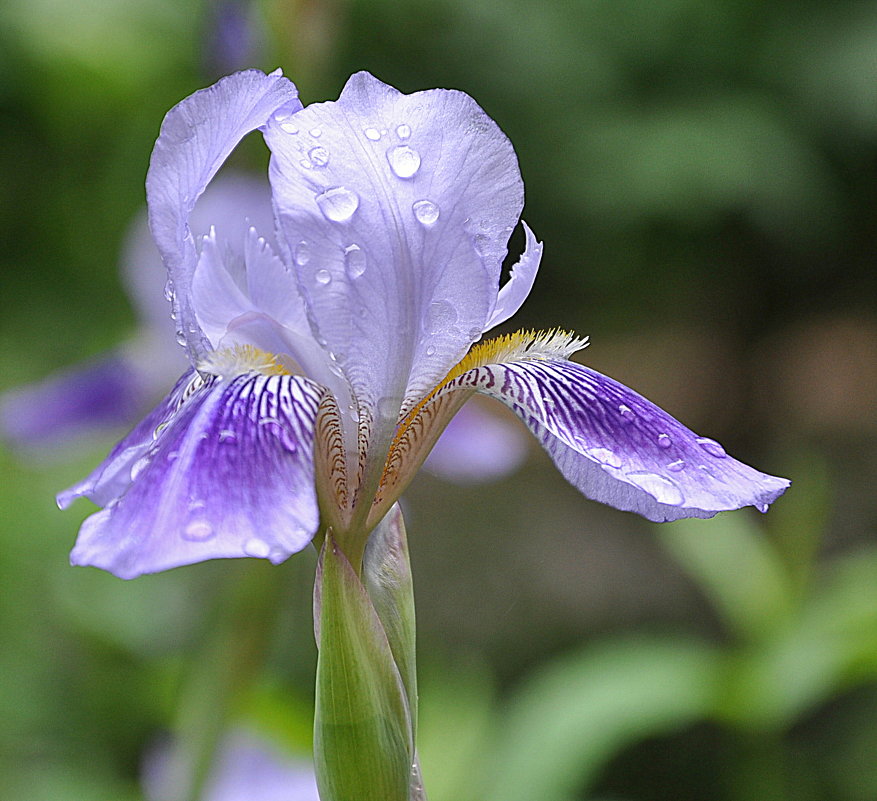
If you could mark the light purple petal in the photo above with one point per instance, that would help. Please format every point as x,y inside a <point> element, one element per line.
<point>230,475</point>
<point>112,476</point>
<point>395,211</point>
<point>619,448</point>
<point>477,446</point>
<point>246,768</point>
<point>104,393</point>
<point>196,137</point>
<point>515,291</point>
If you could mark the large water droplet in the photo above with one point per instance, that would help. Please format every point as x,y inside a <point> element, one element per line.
<point>372,133</point>
<point>664,441</point>
<point>323,277</point>
<point>426,212</point>
<point>626,413</point>
<point>404,160</point>
<point>198,531</point>
<point>403,131</point>
<point>604,456</point>
<point>762,507</point>
<point>712,447</point>
<point>354,260</point>
<point>662,489</point>
<point>439,316</point>
<point>302,254</point>
<point>319,156</point>
<point>256,547</point>
<point>338,204</point>
<point>676,466</point>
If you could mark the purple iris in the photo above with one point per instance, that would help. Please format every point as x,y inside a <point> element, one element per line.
<point>323,369</point>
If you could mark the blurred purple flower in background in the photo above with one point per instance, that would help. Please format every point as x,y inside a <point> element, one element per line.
<point>325,367</point>
<point>246,768</point>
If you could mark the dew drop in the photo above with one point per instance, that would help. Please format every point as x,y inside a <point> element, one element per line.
<point>338,204</point>
<point>323,277</point>
<point>289,127</point>
<point>604,456</point>
<point>404,161</point>
<point>430,350</point>
<point>198,531</point>
<point>228,437</point>
<point>664,441</point>
<point>372,133</point>
<point>354,260</point>
<point>181,338</point>
<point>139,466</point>
<point>316,133</point>
<point>256,547</point>
<point>626,413</point>
<point>158,429</point>
<point>169,291</point>
<point>712,447</point>
<point>439,316</point>
<point>662,489</point>
<point>319,156</point>
<point>302,253</point>
<point>763,507</point>
<point>426,212</point>
<point>676,466</point>
<point>403,131</point>
<point>172,455</point>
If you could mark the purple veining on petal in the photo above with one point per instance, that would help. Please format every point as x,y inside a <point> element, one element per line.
<point>477,445</point>
<point>104,393</point>
<point>231,474</point>
<point>619,448</point>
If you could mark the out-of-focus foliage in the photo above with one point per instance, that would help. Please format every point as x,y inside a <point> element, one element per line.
<point>703,175</point>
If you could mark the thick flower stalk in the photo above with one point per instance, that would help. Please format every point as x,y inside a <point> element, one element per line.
<point>328,355</point>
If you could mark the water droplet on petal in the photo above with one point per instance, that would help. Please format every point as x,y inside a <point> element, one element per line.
<point>662,489</point>
<point>372,133</point>
<point>676,466</point>
<point>439,316</point>
<point>626,413</point>
<point>354,261</point>
<point>403,131</point>
<point>338,204</point>
<point>762,507</point>
<point>198,531</point>
<point>319,156</point>
<point>404,161</point>
<point>139,466</point>
<point>172,455</point>
<point>227,436</point>
<point>159,428</point>
<point>169,291</point>
<point>316,133</point>
<point>430,350</point>
<point>256,547</point>
<point>289,127</point>
<point>604,456</point>
<point>426,212</point>
<point>302,254</point>
<point>323,277</point>
<point>181,338</point>
<point>664,441</point>
<point>712,447</point>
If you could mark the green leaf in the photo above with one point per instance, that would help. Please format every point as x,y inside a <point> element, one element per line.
<point>568,721</point>
<point>363,738</point>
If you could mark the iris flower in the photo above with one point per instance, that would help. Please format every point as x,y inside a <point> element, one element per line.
<point>325,368</point>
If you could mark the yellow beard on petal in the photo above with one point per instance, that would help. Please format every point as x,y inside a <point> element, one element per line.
<point>240,359</point>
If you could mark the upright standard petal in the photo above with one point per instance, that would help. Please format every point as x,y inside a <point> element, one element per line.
<point>230,475</point>
<point>196,137</point>
<point>515,291</point>
<point>618,448</point>
<point>395,211</point>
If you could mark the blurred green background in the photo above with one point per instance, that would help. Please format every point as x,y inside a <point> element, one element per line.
<point>704,176</point>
